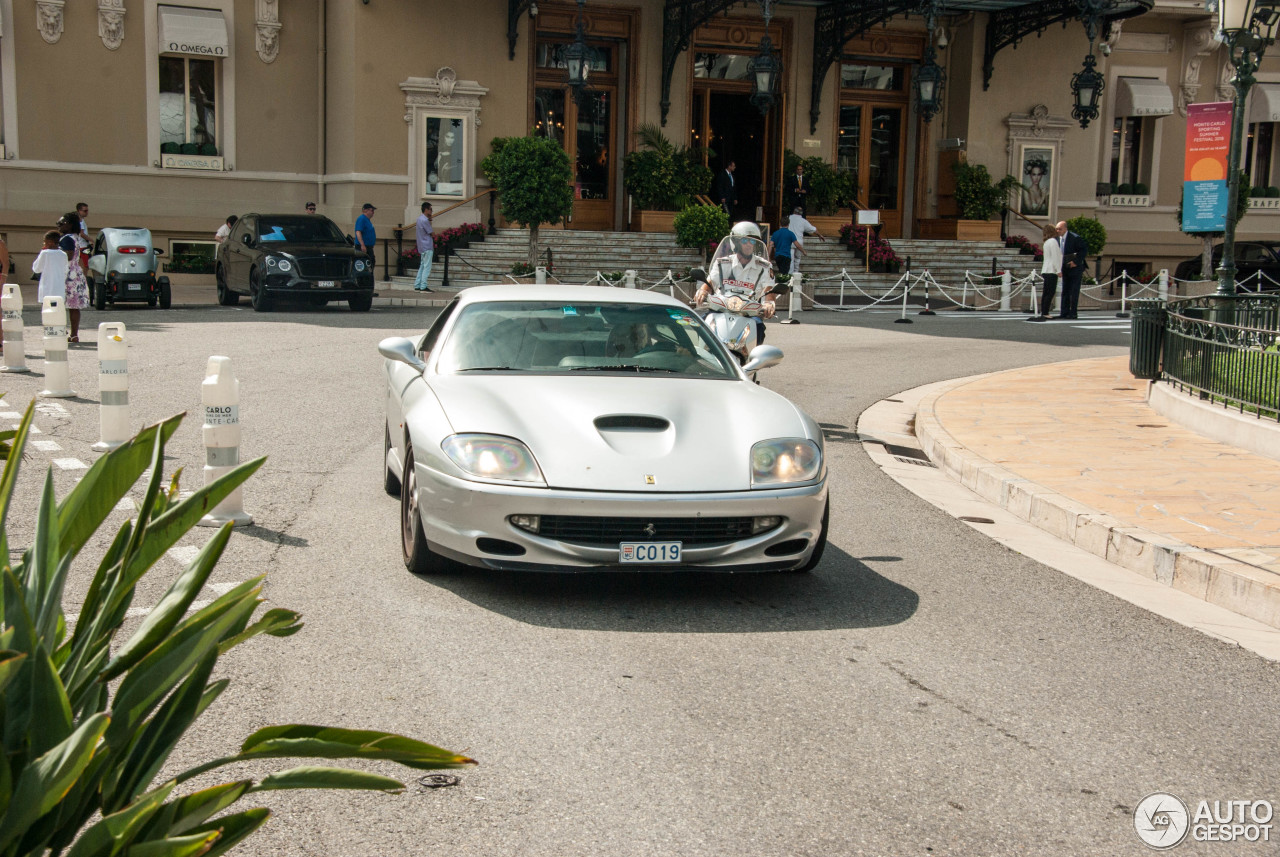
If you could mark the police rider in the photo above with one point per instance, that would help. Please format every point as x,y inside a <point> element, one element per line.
<point>742,272</point>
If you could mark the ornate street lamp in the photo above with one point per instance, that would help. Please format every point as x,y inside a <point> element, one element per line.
<point>1086,88</point>
<point>766,67</point>
<point>1247,27</point>
<point>578,58</point>
<point>930,77</point>
<point>765,70</point>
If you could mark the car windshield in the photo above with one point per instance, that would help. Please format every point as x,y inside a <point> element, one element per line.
<point>300,230</point>
<point>587,338</point>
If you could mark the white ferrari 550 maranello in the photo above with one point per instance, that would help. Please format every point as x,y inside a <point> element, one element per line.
<point>576,428</point>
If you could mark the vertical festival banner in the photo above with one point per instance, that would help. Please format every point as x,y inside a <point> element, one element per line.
<point>1204,186</point>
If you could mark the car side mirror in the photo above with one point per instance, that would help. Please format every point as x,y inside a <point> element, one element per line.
<point>403,350</point>
<point>247,239</point>
<point>698,274</point>
<point>762,357</point>
<point>158,251</point>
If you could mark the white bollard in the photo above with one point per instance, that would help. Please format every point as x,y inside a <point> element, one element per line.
<point>629,277</point>
<point>113,385</point>
<point>220,393</point>
<point>15,354</point>
<point>794,298</point>
<point>1124,294</point>
<point>844,275</point>
<point>540,275</point>
<point>57,374</point>
<point>1006,291</point>
<point>671,283</point>
<point>1164,284</point>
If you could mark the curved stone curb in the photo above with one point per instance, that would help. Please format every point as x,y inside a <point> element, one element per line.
<point>1235,586</point>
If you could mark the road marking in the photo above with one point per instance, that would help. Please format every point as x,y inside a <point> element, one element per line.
<point>1124,327</point>
<point>126,505</point>
<point>10,415</point>
<point>70,464</point>
<point>47,445</point>
<point>139,612</point>
<point>223,588</point>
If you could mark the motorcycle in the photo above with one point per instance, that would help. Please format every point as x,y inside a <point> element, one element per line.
<point>736,299</point>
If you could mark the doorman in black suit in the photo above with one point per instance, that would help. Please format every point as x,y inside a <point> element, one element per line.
<point>726,194</point>
<point>798,191</point>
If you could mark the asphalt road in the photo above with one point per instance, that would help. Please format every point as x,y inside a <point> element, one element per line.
<point>924,691</point>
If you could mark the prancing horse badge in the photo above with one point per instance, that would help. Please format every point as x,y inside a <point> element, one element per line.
<point>649,480</point>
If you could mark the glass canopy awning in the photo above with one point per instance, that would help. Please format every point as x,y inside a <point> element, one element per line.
<point>838,21</point>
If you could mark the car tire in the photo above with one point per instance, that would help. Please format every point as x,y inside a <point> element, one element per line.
<point>166,294</point>
<point>390,479</point>
<point>418,557</point>
<point>151,302</point>
<point>258,293</point>
<point>100,298</point>
<point>360,303</point>
<point>816,556</point>
<point>226,297</point>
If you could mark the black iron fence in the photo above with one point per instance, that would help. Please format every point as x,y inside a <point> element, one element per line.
<point>1224,349</point>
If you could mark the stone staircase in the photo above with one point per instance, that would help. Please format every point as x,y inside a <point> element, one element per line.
<point>578,255</point>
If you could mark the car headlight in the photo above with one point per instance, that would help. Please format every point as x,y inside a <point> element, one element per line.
<point>284,266</point>
<point>493,458</point>
<point>784,461</point>
<point>360,265</point>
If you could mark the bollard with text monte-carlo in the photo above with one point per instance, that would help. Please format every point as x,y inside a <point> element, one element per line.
<point>1006,291</point>
<point>629,278</point>
<point>15,355</point>
<point>540,275</point>
<point>1164,284</point>
<point>113,385</point>
<point>220,393</point>
<point>57,375</point>
<point>793,298</point>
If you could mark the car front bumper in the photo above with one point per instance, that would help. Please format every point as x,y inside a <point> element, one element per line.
<point>469,522</point>
<point>284,285</point>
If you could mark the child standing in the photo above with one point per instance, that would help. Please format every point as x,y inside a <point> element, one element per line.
<point>51,265</point>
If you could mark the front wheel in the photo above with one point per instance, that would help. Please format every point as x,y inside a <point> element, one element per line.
<point>258,293</point>
<point>226,297</point>
<point>418,557</point>
<point>390,479</point>
<point>166,294</point>
<point>360,303</point>
<point>816,556</point>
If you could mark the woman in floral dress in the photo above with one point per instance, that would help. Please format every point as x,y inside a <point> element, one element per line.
<point>77,285</point>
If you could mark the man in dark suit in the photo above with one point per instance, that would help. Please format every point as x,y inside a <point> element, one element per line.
<point>798,190</point>
<point>726,194</point>
<point>1075,251</point>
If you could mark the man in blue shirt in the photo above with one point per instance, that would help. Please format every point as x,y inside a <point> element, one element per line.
<point>366,237</point>
<point>781,244</point>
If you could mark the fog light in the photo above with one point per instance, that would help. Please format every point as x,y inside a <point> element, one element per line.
<point>765,522</point>
<point>529,523</point>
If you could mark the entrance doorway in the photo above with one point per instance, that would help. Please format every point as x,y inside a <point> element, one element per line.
<point>735,131</point>
<point>872,139</point>
<point>586,132</point>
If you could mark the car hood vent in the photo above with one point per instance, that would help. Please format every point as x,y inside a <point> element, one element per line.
<point>631,422</point>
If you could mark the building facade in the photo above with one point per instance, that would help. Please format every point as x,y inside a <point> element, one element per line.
<point>173,115</point>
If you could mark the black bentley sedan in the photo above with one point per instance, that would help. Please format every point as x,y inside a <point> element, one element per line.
<point>305,257</point>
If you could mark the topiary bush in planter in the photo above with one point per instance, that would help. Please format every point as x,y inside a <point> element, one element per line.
<point>1141,189</point>
<point>830,189</point>
<point>700,226</point>
<point>979,197</point>
<point>1124,189</point>
<point>661,176</point>
<point>1092,231</point>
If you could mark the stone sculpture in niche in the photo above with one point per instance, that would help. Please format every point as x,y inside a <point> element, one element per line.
<point>268,30</point>
<point>111,23</point>
<point>49,19</point>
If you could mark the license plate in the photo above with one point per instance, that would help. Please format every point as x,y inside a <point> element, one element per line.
<point>135,287</point>
<point>649,553</point>
<point>327,284</point>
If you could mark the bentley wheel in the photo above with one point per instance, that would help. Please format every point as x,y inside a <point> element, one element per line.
<point>258,293</point>
<point>418,557</point>
<point>226,297</point>
<point>390,479</point>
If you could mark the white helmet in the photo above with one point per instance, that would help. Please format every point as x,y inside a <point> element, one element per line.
<point>745,229</point>
<point>743,238</point>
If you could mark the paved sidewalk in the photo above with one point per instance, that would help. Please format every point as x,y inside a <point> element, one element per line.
<point>1075,449</point>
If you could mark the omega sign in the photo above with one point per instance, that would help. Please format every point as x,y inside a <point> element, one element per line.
<point>180,48</point>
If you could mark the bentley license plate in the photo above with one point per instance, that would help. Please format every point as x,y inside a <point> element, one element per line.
<point>327,284</point>
<point>649,553</point>
<point>135,287</point>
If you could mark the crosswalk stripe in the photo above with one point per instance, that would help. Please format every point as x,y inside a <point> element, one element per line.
<point>70,464</point>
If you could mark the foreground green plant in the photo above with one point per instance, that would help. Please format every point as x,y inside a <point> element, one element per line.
<point>88,725</point>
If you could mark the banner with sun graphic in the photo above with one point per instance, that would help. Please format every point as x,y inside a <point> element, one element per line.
<point>1204,186</point>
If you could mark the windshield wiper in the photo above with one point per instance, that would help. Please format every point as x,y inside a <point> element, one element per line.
<point>626,367</point>
<point>490,369</point>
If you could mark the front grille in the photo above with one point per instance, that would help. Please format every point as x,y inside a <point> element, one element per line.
<point>584,530</point>
<point>320,269</point>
